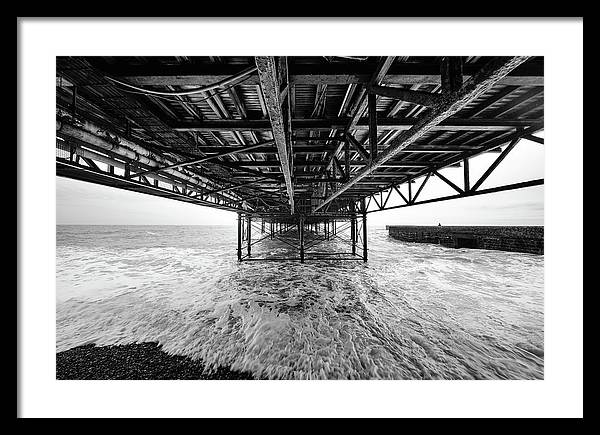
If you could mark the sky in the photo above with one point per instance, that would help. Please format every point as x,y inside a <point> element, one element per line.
<point>81,203</point>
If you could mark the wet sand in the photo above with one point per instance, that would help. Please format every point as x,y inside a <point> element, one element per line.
<point>134,361</point>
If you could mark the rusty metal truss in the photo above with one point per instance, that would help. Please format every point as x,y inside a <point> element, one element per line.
<point>301,143</point>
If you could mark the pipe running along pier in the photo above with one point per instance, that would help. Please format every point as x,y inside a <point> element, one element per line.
<point>301,148</point>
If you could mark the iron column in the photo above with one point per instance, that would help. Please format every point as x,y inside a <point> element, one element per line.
<point>239,245</point>
<point>301,234</point>
<point>364,227</point>
<point>249,235</point>
<point>353,228</point>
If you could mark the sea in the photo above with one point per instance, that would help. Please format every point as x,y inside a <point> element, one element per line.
<point>413,311</point>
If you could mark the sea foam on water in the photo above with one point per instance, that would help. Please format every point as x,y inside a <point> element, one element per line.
<point>414,311</point>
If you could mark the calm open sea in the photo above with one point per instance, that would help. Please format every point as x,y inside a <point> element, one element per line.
<point>414,311</point>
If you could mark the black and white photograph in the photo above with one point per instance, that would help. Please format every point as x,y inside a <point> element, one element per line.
<point>322,216</point>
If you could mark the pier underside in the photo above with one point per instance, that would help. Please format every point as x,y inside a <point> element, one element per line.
<point>302,148</point>
<point>305,237</point>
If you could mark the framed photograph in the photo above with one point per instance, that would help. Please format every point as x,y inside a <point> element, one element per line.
<point>263,217</point>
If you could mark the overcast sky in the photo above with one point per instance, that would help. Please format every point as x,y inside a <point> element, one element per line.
<point>78,202</point>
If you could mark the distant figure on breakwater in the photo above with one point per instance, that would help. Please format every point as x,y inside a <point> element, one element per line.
<point>439,224</point>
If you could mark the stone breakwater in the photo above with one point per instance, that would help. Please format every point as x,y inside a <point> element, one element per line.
<point>528,239</point>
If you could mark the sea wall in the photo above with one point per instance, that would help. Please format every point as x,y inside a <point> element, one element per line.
<point>529,239</point>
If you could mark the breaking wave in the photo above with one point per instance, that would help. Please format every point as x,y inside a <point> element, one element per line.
<point>414,311</point>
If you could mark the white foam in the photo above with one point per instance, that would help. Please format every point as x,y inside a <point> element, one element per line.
<point>413,311</point>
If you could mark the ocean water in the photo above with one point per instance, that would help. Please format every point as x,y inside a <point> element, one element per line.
<point>414,311</point>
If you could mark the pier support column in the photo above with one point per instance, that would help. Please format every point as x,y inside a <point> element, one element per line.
<point>466,175</point>
<point>239,239</point>
<point>301,235</point>
<point>353,228</point>
<point>364,228</point>
<point>249,235</point>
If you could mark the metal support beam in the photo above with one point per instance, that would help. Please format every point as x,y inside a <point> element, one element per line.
<point>416,97</point>
<point>239,237</point>
<point>495,164</point>
<point>347,160</point>
<point>326,74</point>
<point>301,236</point>
<point>489,123</point>
<point>206,159</point>
<point>533,138</point>
<point>64,168</point>
<point>489,75</point>
<point>364,228</point>
<point>235,186</point>
<point>467,185</point>
<point>270,85</point>
<point>74,102</point>
<point>472,192</point>
<point>358,147</point>
<point>249,220</point>
<point>448,182</point>
<point>372,127</point>
<point>353,228</point>
<point>382,69</point>
<point>489,146</point>
<point>451,71</point>
<point>399,193</point>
